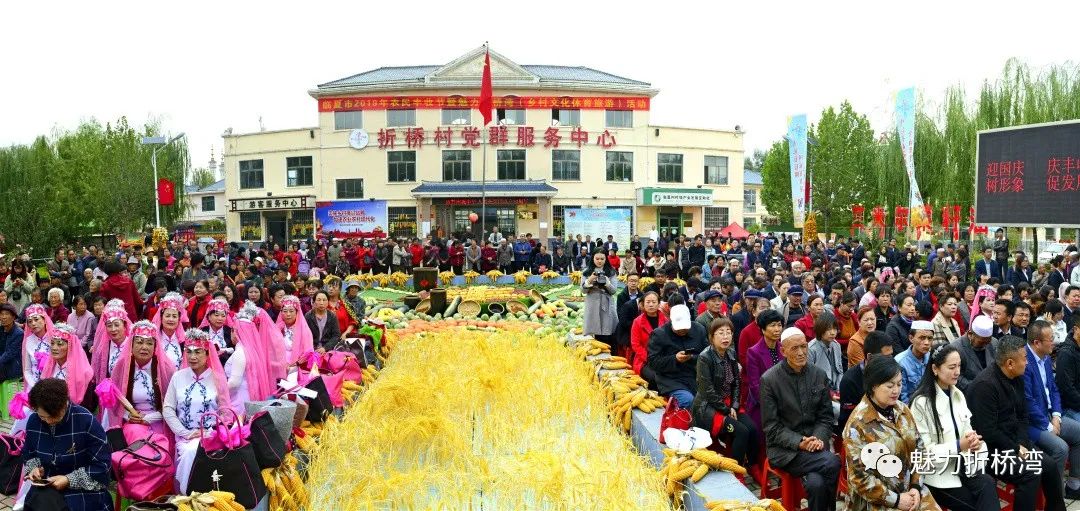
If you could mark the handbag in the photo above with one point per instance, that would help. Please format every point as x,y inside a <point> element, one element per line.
<point>144,468</point>
<point>318,406</point>
<point>267,442</point>
<point>227,432</point>
<point>281,411</point>
<point>45,498</point>
<point>158,504</point>
<point>11,462</point>
<point>348,356</point>
<point>674,417</point>
<point>234,470</point>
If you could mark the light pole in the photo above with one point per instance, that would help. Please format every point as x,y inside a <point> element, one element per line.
<point>158,143</point>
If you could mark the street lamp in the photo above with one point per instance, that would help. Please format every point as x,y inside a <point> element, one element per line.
<point>158,142</point>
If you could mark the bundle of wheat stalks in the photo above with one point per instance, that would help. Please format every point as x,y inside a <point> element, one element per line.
<point>468,420</point>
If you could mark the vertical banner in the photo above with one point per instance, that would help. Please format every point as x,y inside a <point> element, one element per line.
<point>796,137</point>
<point>905,130</point>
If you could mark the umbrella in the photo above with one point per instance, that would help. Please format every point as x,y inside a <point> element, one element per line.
<point>735,231</point>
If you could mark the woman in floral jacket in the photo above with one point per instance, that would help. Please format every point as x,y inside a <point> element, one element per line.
<point>879,440</point>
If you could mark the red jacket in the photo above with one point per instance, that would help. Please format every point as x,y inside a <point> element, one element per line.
<point>196,310</point>
<point>120,286</point>
<point>417,253</point>
<point>806,324</point>
<point>457,255</point>
<point>749,336</point>
<point>639,339</point>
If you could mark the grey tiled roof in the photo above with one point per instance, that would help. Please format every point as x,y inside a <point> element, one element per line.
<point>213,187</point>
<point>751,177</point>
<point>546,73</point>
<point>473,188</point>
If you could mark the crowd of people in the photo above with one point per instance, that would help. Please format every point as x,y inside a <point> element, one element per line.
<point>807,356</point>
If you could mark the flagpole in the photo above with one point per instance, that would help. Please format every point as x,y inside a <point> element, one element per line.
<point>483,173</point>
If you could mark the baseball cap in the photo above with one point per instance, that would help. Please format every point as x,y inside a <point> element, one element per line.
<point>132,260</point>
<point>796,290</point>
<point>712,293</point>
<point>983,326</point>
<point>680,318</point>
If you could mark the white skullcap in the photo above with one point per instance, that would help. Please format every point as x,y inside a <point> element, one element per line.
<point>983,326</point>
<point>790,332</point>
<point>922,325</point>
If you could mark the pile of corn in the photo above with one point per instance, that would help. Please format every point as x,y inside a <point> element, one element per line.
<point>522,277</point>
<point>738,505</point>
<point>694,465</point>
<point>623,388</point>
<point>209,501</point>
<point>287,491</point>
<point>466,419</point>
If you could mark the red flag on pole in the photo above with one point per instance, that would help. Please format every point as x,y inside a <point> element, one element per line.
<point>485,89</point>
<point>166,192</point>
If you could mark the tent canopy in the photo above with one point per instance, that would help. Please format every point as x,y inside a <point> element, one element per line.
<point>735,231</point>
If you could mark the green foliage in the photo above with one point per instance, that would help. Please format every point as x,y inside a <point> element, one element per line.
<point>212,226</point>
<point>755,161</point>
<point>89,181</point>
<point>945,144</point>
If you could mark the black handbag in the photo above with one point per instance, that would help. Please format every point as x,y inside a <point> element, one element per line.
<point>10,463</point>
<point>319,405</point>
<point>232,470</point>
<point>267,442</point>
<point>116,439</point>
<point>354,347</point>
<point>158,504</point>
<point>45,498</point>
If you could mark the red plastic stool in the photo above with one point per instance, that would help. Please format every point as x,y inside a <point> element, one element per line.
<point>791,488</point>
<point>842,482</point>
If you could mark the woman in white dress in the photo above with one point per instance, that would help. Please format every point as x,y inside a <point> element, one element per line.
<point>200,387</point>
<point>109,339</point>
<point>294,330</point>
<point>170,318</point>
<point>67,361</point>
<point>142,375</point>
<point>246,368</point>
<point>35,344</point>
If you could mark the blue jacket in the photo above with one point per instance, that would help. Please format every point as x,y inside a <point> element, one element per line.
<point>980,268</point>
<point>522,251</point>
<point>1016,277</point>
<point>1039,411</point>
<point>11,359</point>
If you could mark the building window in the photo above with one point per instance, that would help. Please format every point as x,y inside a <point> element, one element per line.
<point>716,170</point>
<point>456,116</point>
<point>566,165</point>
<point>511,163</point>
<point>457,165</point>
<point>619,118</point>
<point>350,188</point>
<point>402,221</point>
<point>401,166</point>
<point>558,221</point>
<point>348,120</point>
<point>251,174</point>
<point>298,170</point>
<point>401,117</point>
<point>566,116</point>
<point>506,219</point>
<point>715,218</point>
<point>511,116</point>
<point>208,203</point>
<point>749,200</point>
<point>747,221</point>
<point>669,168</point>
<point>620,166</point>
<point>250,225</point>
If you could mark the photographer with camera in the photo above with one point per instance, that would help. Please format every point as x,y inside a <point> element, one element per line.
<point>19,285</point>
<point>599,288</point>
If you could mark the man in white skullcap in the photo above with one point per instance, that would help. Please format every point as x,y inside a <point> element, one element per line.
<point>976,349</point>
<point>913,360</point>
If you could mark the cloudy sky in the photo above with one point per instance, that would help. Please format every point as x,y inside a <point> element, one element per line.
<point>202,67</point>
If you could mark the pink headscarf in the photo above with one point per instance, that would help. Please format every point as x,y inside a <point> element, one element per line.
<point>256,369</point>
<point>99,359</point>
<point>216,305</point>
<point>200,339</point>
<point>35,309</point>
<point>175,302</point>
<point>77,367</point>
<point>121,373</point>
<point>982,294</point>
<point>273,347</point>
<point>302,341</point>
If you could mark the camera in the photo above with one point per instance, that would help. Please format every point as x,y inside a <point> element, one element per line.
<point>16,295</point>
<point>601,279</point>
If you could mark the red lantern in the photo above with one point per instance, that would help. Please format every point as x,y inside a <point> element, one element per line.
<point>473,217</point>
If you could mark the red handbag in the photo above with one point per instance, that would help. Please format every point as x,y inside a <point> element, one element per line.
<point>674,417</point>
<point>144,469</point>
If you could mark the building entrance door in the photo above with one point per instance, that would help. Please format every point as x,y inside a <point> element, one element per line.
<point>670,219</point>
<point>277,229</point>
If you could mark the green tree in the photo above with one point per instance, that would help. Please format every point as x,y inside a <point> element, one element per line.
<point>755,161</point>
<point>202,178</point>
<point>839,163</point>
<point>776,182</point>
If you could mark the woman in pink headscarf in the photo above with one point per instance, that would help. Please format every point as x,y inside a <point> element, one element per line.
<point>170,317</point>
<point>142,375</point>
<point>294,330</point>
<point>35,344</point>
<point>216,323</point>
<point>113,328</point>
<point>200,387</point>
<point>246,368</point>
<point>984,302</point>
<point>67,361</point>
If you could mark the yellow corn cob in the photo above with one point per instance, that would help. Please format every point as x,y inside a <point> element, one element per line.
<point>699,472</point>
<point>770,504</point>
<point>638,398</point>
<point>707,457</point>
<point>683,473</point>
<point>732,466</point>
<point>627,420</point>
<point>268,479</point>
<point>615,365</point>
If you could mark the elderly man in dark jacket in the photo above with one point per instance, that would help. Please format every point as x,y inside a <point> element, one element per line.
<point>797,418</point>
<point>673,352</point>
<point>11,338</point>
<point>999,414</point>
